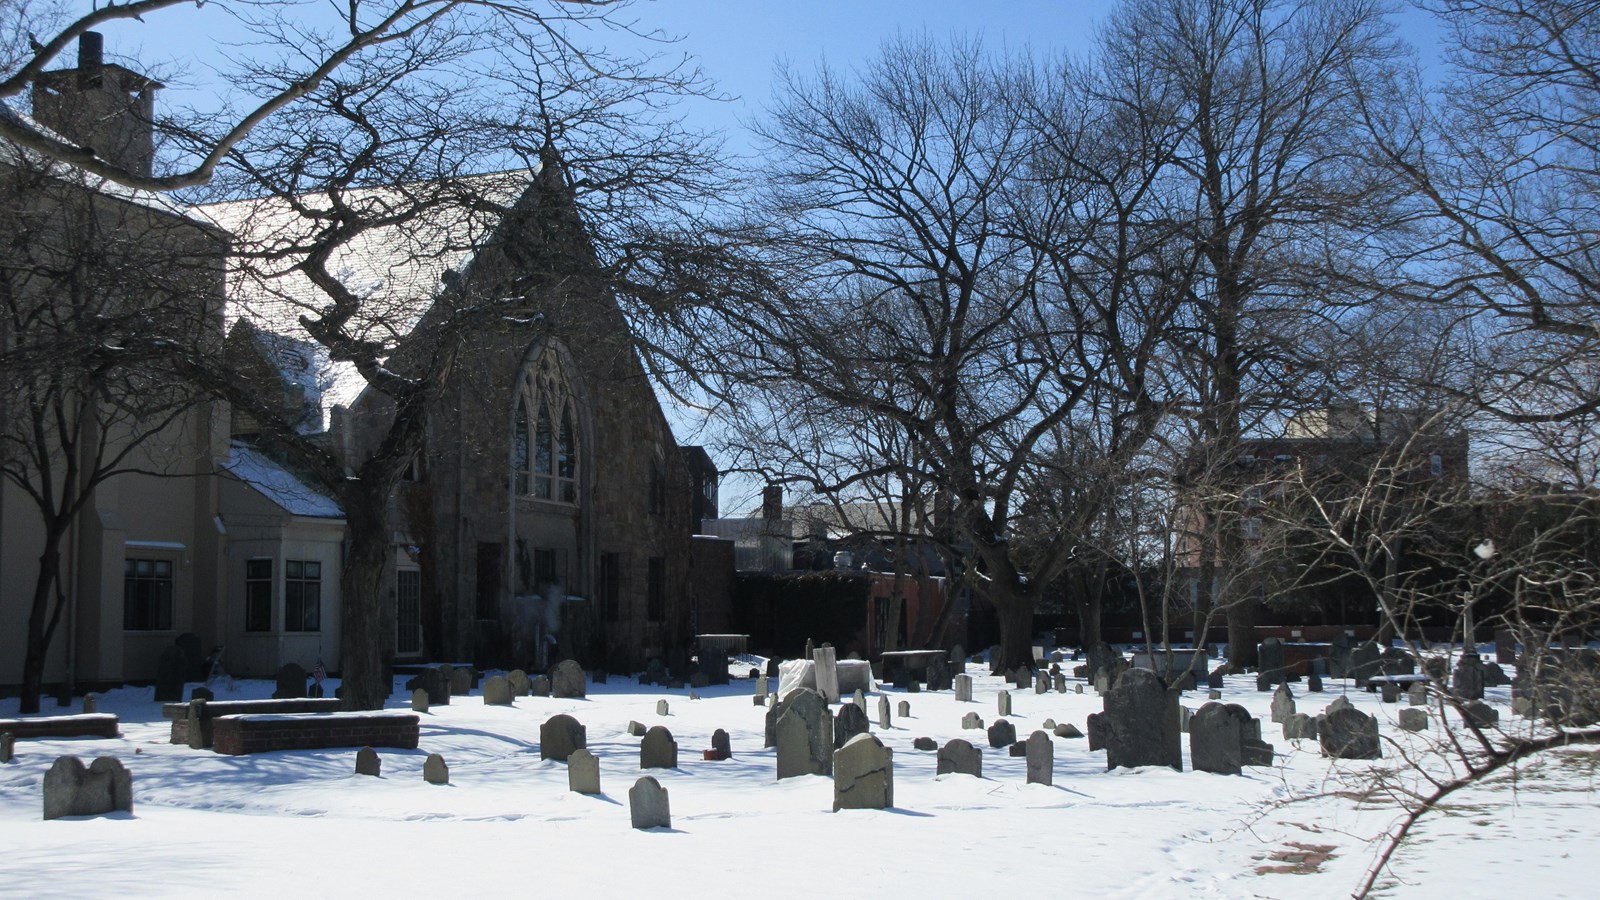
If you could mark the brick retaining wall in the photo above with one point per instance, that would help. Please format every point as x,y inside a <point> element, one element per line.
<point>89,725</point>
<point>240,734</point>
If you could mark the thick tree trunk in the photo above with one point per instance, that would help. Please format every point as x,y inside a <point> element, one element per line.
<point>41,625</point>
<point>1242,634</point>
<point>1015,615</point>
<point>364,648</point>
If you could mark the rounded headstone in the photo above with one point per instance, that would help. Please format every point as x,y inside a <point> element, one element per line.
<point>434,770</point>
<point>367,762</point>
<point>568,680</point>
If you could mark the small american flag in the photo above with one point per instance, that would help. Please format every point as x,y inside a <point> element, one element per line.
<point>318,672</point>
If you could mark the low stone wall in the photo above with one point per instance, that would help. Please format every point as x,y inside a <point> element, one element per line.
<point>237,735</point>
<point>211,709</point>
<point>102,725</point>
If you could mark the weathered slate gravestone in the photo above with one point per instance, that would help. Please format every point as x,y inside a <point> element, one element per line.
<point>938,674</point>
<point>1467,682</point>
<point>1340,702</point>
<point>1059,682</point>
<point>1096,725</point>
<point>1041,683</point>
<point>761,687</point>
<point>1414,719</point>
<point>1437,669</point>
<point>1364,661</point>
<point>782,705</point>
<point>583,772</point>
<point>1417,695</point>
<point>903,709</point>
<point>568,680</point>
<point>1041,756</point>
<point>1300,727</point>
<point>1349,733</point>
<point>435,682</point>
<point>560,735</point>
<point>804,735</point>
<point>461,679</point>
<point>721,746</point>
<point>497,691</point>
<point>291,682</point>
<point>1021,678</point>
<point>827,672</point>
<point>1002,733</point>
<point>648,806</point>
<point>863,774</point>
<point>1214,679</point>
<point>1077,689</point>
<point>172,668</point>
<point>971,720</point>
<point>884,722</point>
<point>1269,655</point>
<point>850,721</point>
<point>924,743</point>
<point>539,685</point>
<point>1282,703</point>
<point>859,698</point>
<point>90,703</point>
<point>1141,723</point>
<point>520,685</point>
<point>1494,676</point>
<point>1102,657</point>
<point>419,700</point>
<point>1339,656</point>
<point>8,746</point>
<point>963,687</point>
<point>71,789</point>
<point>368,763</point>
<point>1505,647</point>
<point>434,770</point>
<point>1314,683</point>
<point>1389,692</point>
<point>1003,701</point>
<point>959,757</point>
<point>658,750</point>
<point>1066,730</point>
<point>636,729</point>
<point>1396,661</point>
<point>1480,714</point>
<point>1223,740</point>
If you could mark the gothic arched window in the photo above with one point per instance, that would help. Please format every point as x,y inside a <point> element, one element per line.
<point>544,442</point>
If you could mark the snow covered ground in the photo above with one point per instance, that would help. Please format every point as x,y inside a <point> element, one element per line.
<point>301,823</point>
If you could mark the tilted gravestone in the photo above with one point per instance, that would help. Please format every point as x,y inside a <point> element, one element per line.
<point>368,763</point>
<point>434,770</point>
<point>1282,703</point>
<point>827,673</point>
<point>662,707</point>
<point>1269,656</point>
<point>1066,730</point>
<point>658,750</point>
<point>963,687</point>
<point>636,729</point>
<point>812,704</point>
<point>850,721</point>
<point>1480,714</point>
<point>1041,756</point>
<point>863,774</point>
<point>435,681</point>
<point>1141,723</point>
<point>560,735</point>
<point>1003,701</point>
<point>1414,719</point>
<point>971,720</point>
<point>291,682</point>
<point>520,685</point>
<point>1349,733</point>
<point>924,743</point>
<point>583,772</point>
<point>172,669</point>
<point>71,789</point>
<point>1222,740</point>
<point>884,722</point>
<point>1467,683</point>
<point>568,680</point>
<point>497,691</point>
<point>959,757</point>
<point>648,806</point>
<point>1494,676</point>
<point>804,735</point>
<point>1002,734</point>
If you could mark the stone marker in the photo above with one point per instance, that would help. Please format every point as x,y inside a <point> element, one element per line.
<point>1349,733</point>
<point>1214,679</point>
<point>963,688</point>
<point>172,669</point>
<point>8,746</point>
<point>433,681</point>
<point>804,735</point>
<point>1467,684</point>
<point>1395,661</point>
<point>1222,740</point>
<point>434,770</point>
<point>1282,703</point>
<point>658,750</point>
<point>1059,682</point>
<point>884,722</point>
<point>1389,692</point>
<point>1041,683</point>
<point>367,762</point>
<point>560,735</point>
<point>539,686</point>
<point>583,772</point>
<point>1494,676</point>
<point>859,698</point>
<point>1300,727</point>
<point>520,685</point>
<point>419,700</point>
<point>1314,682</point>
<point>1041,755</point>
<point>1414,719</point>
<point>647,804</point>
<point>761,688</point>
<point>568,680</point>
<point>461,679</point>
<point>1269,656</point>
<point>1002,734</point>
<point>1340,702</point>
<point>827,672</point>
<point>1066,730</point>
<point>661,707</point>
<point>1102,683</point>
<point>1003,701</point>
<point>1077,689</point>
<point>903,709</point>
<point>1505,647</point>
<point>1480,714</point>
<point>497,691</point>
<point>1141,723</point>
<point>291,683</point>
<point>71,789</point>
<point>1417,695</point>
<point>89,703</point>
<point>721,745</point>
<point>971,720</point>
<point>850,721</point>
<point>1184,715</point>
<point>1018,750</point>
<point>1364,661</point>
<point>924,743</point>
<point>863,774</point>
<point>959,757</point>
<point>636,729</point>
<point>1213,695</point>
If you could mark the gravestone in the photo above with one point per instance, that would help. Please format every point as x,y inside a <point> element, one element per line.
<point>1414,719</point>
<point>959,757</point>
<point>772,667</point>
<point>903,709</point>
<point>1417,695</point>
<point>1184,715</point>
<point>1467,684</point>
<point>90,704</point>
<point>803,735</point>
<point>636,729</point>
<point>1340,702</point>
<point>1282,703</point>
<point>1269,655</point>
<point>434,770</point>
<point>850,721</point>
<point>1389,692</point>
<point>714,666</point>
<point>963,687</point>
<point>661,707</point>
<point>1002,734</point>
<point>1505,647</point>
<point>658,750</point>
<point>1480,714</point>
<point>938,674</point>
<point>994,660</point>
<point>1339,656</point>
<point>8,746</point>
<point>863,774</point>
<point>1396,661</point>
<point>1140,723</point>
<point>827,673</point>
<point>1041,756</point>
<point>1067,730</point>
<point>1364,661</point>
<point>1059,682</point>
<point>1003,701</point>
<point>1300,727</point>
<point>1041,683</point>
<point>971,720</point>
<point>435,681</point>
<point>1349,733</point>
<point>884,722</point>
<point>368,763</point>
<point>461,679</point>
<point>859,698</point>
<point>1077,689</point>
<point>924,743</point>
<point>1021,678</point>
<point>1214,679</point>
<point>1222,740</point>
<point>1494,676</point>
<point>560,735</point>
<point>1102,683</point>
<point>583,772</point>
<point>71,789</point>
<point>1437,668</point>
<point>497,691</point>
<point>520,685</point>
<point>1314,683</point>
<point>761,688</point>
<point>568,680</point>
<point>172,669</point>
<point>721,745</point>
<point>648,806</point>
<point>291,682</point>
<point>539,685</point>
<point>419,700</point>
<point>1102,657</point>
<point>958,656</point>
<point>812,706</point>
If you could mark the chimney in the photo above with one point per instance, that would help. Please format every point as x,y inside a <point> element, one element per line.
<point>772,502</point>
<point>103,107</point>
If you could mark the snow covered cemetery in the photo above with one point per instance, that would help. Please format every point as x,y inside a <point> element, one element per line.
<point>1082,772</point>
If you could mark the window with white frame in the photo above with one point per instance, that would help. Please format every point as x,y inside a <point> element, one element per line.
<point>258,595</point>
<point>544,434</point>
<point>147,594</point>
<point>302,595</point>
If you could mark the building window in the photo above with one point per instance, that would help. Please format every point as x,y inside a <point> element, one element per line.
<point>147,595</point>
<point>544,435</point>
<point>1436,465</point>
<point>656,590</point>
<point>258,595</point>
<point>546,568</point>
<point>408,611</point>
<point>302,595</point>
<point>611,587</point>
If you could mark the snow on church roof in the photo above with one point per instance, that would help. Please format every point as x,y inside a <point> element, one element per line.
<point>279,485</point>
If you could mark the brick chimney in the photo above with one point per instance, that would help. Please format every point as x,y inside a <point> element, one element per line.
<point>101,106</point>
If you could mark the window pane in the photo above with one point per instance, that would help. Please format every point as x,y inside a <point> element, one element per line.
<point>258,568</point>
<point>294,568</point>
<point>566,457</point>
<point>542,444</point>
<point>313,569</point>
